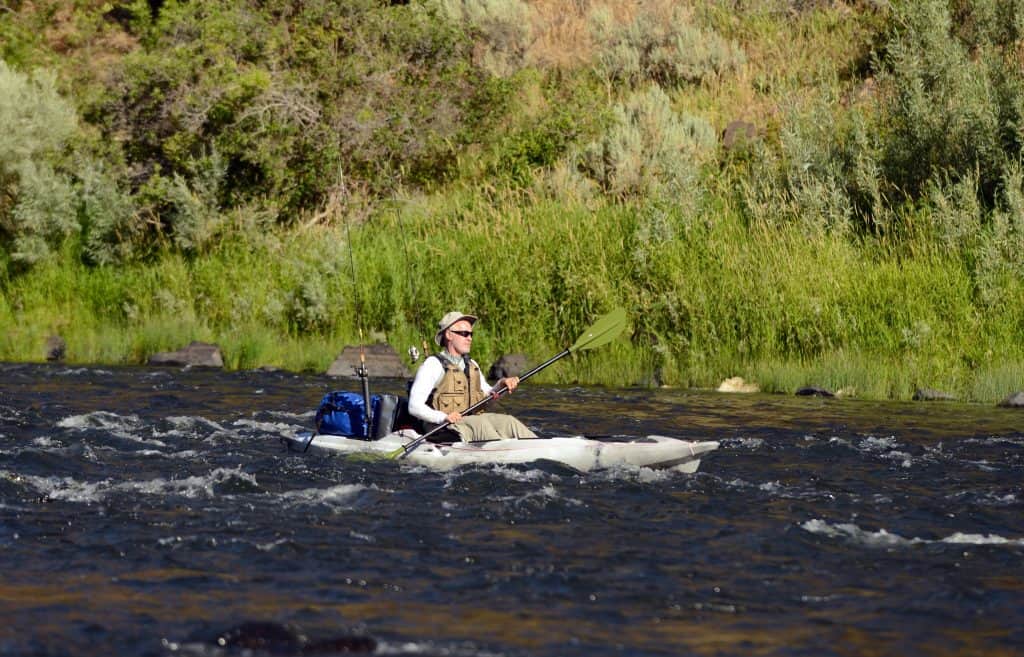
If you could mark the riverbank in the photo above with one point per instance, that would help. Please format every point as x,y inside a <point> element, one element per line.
<point>707,301</point>
<point>798,194</point>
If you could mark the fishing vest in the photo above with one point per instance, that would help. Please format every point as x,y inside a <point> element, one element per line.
<point>456,391</point>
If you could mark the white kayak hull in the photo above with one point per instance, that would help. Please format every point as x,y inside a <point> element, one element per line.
<point>576,452</point>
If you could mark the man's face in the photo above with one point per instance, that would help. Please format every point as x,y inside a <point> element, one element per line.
<point>460,337</point>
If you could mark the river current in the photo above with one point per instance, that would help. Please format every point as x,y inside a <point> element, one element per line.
<point>154,512</point>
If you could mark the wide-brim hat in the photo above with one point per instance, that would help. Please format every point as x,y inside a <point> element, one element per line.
<point>449,319</point>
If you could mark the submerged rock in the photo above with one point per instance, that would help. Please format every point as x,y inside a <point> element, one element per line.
<point>737,384</point>
<point>381,361</point>
<point>269,638</point>
<point>814,391</point>
<point>508,365</point>
<point>196,354</point>
<point>930,394</point>
<point>1016,400</point>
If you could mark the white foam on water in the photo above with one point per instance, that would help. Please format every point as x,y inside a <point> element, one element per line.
<point>906,460</point>
<point>777,489</point>
<point>191,487</point>
<point>300,418</point>
<point>272,545</point>
<point>69,489</point>
<point>75,371</point>
<point>545,493</point>
<point>9,415</point>
<point>990,499</point>
<point>517,473</point>
<point>341,495</point>
<point>982,539</point>
<point>192,422</point>
<point>99,420</point>
<point>743,443</point>
<point>61,488</point>
<point>884,539</point>
<point>117,425</point>
<point>366,538</point>
<point>874,444</point>
<point>432,648</point>
<point>279,428</point>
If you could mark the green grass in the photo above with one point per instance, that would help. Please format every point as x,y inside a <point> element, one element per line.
<point>708,298</point>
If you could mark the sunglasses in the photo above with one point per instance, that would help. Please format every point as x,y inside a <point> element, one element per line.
<point>465,334</point>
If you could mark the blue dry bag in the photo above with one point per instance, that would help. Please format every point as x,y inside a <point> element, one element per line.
<point>342,414</point>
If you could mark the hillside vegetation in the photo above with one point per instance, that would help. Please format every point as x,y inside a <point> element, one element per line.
<point>797,192</point>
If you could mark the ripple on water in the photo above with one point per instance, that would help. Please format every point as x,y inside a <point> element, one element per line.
<point>884,539</point>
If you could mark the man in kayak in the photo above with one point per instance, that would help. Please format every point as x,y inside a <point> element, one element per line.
<point>449,382</point>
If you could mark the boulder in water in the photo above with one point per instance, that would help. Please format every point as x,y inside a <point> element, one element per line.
<point>1016,400</point>
<point>814,391</point>
<point>381,361</point>
<point>930,394</point>
<point>737,384</point>
<point>269,638</point>
<point>508,365</point>
<point>196,354</point>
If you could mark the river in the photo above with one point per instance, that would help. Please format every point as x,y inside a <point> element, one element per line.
<point>153,512</point>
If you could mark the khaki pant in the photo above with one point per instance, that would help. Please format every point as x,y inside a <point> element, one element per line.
<point>490,426</point>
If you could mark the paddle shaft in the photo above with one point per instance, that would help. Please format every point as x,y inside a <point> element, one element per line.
<point>480,404</point>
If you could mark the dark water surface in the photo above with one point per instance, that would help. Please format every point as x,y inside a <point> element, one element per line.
<point>153,512</point>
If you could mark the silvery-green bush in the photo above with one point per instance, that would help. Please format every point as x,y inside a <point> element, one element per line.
<point>670,52</point>
<point>650,149</point>
<point>945,119</point>
<point>502,28</point>
<point>949,107</point>
<point>112,230</point>
<point>37,201</point>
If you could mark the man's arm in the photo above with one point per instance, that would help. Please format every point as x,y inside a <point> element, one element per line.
<point>427,376</point>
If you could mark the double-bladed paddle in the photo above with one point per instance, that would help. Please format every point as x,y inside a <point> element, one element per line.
<point>604,330</point>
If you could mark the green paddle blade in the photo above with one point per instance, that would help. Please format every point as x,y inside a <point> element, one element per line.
<point>604,330</point>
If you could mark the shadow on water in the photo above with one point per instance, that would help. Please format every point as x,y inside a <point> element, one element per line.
<point>153,512</point>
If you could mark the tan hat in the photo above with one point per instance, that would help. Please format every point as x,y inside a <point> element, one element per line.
<point>448,320</point>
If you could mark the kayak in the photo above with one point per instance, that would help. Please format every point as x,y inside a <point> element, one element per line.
<point>574,452</point>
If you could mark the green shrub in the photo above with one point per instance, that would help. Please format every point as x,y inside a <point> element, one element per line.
<point>285,93</point>
<point>307,308</point>
<point>501,29</point>
<point>664,47</point>
<point>1000,251</point>
<point>112,231</point>
<point>554,114</point>
<point>37,200</point>
<point>649,150</point>
<point>942,113</point>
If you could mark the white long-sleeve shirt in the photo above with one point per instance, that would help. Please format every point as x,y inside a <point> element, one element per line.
<point>428,376</point>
